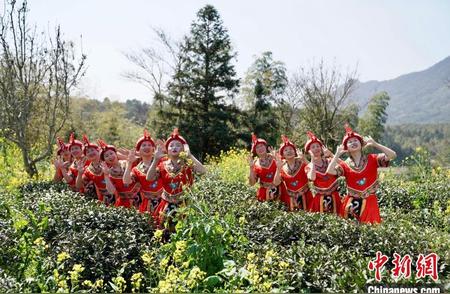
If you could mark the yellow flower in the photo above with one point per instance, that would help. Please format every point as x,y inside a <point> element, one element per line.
<point>158,234</point>
<point>180,249</point>
<point>195,276</point>
<point>181,245</point>
<point>164,287</point>
<point>75,272</point>
<point>98,284</point>
<point>136,282</point>
<point>267,286</point>
<point>270,255</point>
<point>147,258</point>
<point>62,256</point>
<point>283,265</point>
<point>62,286</point>
<point>242,220</point>
<point>164,262</point>
<point>56,274</point>
<point>251,256</point>
<point>251,267</point>
<point>120,283</point>
<point>39,242</point>
<point>88,284</point>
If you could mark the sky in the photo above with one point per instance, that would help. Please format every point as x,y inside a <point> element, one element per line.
<point>383,39</point>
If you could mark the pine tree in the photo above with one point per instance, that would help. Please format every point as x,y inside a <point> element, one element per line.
<point>204,86</point>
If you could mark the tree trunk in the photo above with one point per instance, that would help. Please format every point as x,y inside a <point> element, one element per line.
<point>30,167</point>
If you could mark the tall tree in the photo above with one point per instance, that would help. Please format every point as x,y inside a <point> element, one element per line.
<point>373,121</point>
<point>204,86</point>
<point>261,92</point>
<point>37,73</point>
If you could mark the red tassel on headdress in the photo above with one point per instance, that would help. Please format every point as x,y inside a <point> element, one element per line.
<point>256,141</point>
<point>105,147</point>
<point>312,139</point>
<point>145,137</point>
<point>349,133</point>
<point>74,142</point>
<point>174,136</point>
<point>102,143</point>
<point>61,146</point>
<point>286,143</point>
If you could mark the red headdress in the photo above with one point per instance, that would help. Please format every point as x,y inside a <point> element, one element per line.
<point>88,144</point>
<point>256,141</point>
<point>144,138</point>
<point>312,139</point>
<point>74,142</point>
<point>105,147</point>
<point>175,136</point>
<point>349,133</point>
<point>285,144</point>
<point>61,146</point>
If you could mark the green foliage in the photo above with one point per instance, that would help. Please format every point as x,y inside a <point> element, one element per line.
<point>373,121</point>
<point>204,85</point>
<point>225,240</point>
<point>435,138</point>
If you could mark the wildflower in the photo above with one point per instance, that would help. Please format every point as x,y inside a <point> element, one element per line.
<point>251,256</point>
<point>195,276</point>
<point>62,256</point>
<point>136,282</point>
<point>283,265</point>
<point>147,258</point>
<point>164,262</point>
<point>62,285</point>
<point>242,220</point>
<point>158,234</point>
<point>39,242</point>
<point>75,272</point>
<point>267,286</point>
<point>180,249</point>
<point>98,284</point>
<point>120,283</point>
<point>88,284</point>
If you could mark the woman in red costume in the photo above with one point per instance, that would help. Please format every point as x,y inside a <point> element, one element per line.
<point>325,186</point>
<point>264,169</point>
<point>79,162</point>
<point>150,190</point>
<point>360,172</point>
<point>63,160</point>
<point>176,174</point>
<point>93,174</point>
<point>295,192</point>
<point>113,170</point>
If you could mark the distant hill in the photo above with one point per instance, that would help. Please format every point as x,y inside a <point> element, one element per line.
<point>420,97</point>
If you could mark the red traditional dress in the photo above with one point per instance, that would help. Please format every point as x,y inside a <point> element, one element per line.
<point>325,190</point>
<point>266,175</point>
<point>126,194</point>
<point>362,182</point>
<point>150,190</point>
<point>174,184</point>
<point>296,187</point>
<point>95,175</point>
<point>73,173</point>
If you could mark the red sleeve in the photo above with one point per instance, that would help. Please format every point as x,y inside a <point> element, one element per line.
<point>342,168</point>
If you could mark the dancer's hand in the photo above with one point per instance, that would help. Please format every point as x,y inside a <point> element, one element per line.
<point>105,168</point>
